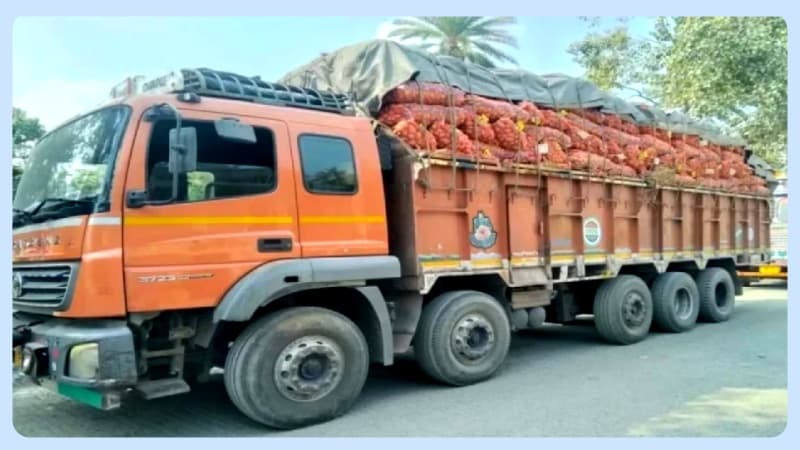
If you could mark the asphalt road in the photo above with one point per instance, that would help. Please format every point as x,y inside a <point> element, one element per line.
<point>724,379</point>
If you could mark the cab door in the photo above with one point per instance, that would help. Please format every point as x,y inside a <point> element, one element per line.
<point>236,211</point>
<point>339,192</point>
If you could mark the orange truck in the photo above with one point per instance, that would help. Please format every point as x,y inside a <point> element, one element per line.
<point>263,229</point>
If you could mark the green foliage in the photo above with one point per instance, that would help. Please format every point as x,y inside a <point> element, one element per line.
<point>474,39</point>
<point>607,57</point>
<point>25,129</point>
<point>729,69</point>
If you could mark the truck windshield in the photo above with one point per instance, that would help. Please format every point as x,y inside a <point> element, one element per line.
<point>70,169</point>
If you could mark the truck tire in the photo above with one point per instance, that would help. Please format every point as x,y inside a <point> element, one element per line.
<point>296,367</point>
<point>623,310</point>
<point>462,338</point>
<point>676,302</point>
<point>717,295</point>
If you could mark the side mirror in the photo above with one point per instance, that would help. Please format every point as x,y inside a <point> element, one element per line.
<point>182,150</point>
<point>233,130</point>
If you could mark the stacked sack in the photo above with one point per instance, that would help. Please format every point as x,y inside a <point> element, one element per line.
<point>438,119</point>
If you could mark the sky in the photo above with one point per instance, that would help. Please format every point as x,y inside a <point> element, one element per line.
<point>64,66</point>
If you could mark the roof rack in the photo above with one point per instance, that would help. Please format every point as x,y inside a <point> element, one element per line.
<point>214,83</point>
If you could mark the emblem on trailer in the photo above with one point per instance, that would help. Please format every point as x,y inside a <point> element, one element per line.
<point>592,232</point>
<point>483,234</point>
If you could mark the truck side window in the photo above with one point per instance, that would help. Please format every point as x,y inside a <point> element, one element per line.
<point>224,169</point>
<point>328,165</point>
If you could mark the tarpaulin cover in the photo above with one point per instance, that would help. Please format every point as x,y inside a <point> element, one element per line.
<point>368,70</point>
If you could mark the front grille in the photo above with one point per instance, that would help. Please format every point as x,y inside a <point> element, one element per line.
<point>43,285</point>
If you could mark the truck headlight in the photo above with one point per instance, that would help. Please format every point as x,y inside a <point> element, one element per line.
<point>83,361</point>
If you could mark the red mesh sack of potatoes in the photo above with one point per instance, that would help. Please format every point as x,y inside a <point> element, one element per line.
<point>692,140</point>
<point>661,147</point>
<point>613,121</point>
<point>585,141</point>
<point>480,125</point>
<point>630,128</point>
<point>688,150</point>
<point>664,135</point>
<point>592,115</point>
<point>528,157</point>
<point>551,151</point>
<point>533,111</point>
<point>627,171</point>
<point>585,124</point>
<point>425,114</point>
<point>666,160</point>
<point>539,134</point>
<point>495,109</point>
<point>422,114</point>
<point>594,164</point>
<point>620,137</point>
<point>509,136</point>
<point>555,120</point>
<point>414,135</point>
<point>498,153</point>
<point>444,134</point>
<point>392,114</point>
<point>633,158</point>
<point>426,94</point>
<point>616,153</point>
<point>684,180</point>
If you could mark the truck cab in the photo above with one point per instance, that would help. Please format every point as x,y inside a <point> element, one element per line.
<point>148,228</point>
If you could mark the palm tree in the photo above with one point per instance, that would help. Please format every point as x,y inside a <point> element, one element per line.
<point>473,39</point>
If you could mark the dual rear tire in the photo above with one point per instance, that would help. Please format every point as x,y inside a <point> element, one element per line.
<point>625,308</point>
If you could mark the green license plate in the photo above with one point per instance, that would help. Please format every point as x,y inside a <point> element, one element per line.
<point>82,395</point>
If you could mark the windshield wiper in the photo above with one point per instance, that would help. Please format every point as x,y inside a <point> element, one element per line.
<point>21,216</point>
<point>61,202</point>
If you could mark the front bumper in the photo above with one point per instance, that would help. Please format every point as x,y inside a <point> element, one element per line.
<point>50,341</point>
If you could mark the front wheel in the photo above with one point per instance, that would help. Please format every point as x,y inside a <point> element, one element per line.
<point>463,337</point>
<point>297,367</point>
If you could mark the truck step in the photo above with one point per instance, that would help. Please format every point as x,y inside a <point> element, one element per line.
<point>162,388</point>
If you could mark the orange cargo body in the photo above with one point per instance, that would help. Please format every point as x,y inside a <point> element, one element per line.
<point>540,228</point>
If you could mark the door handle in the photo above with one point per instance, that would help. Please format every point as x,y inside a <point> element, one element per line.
<point>274,245</point>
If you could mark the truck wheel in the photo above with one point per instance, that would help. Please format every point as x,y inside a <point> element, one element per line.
<point>462,337</point>
<point>297,367</point>
<point>676,302</point>
<point>623,310</point>
<point>716,294</point>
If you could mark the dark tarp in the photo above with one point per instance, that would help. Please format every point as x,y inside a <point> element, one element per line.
<point>368,70</point>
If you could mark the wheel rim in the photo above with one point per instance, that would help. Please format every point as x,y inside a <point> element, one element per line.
<point>473,337</point>
<point>309,368</point>
<point>721,295</point>
<point>634,310</point>
<point>682,304</point>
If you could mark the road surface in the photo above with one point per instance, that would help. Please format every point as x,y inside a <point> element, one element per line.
<point>724,379</point>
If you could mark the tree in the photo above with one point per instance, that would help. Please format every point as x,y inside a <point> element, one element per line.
<point>474,39</point>
<point>607,57</point>
<point>729,69</point>
<point>24,129</point>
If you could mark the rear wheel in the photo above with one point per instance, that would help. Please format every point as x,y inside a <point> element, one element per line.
<point>623,310</point>
<point>717,294</point>
<point>676,302</point>
<point>463,337</point>
<point>297,367</point>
